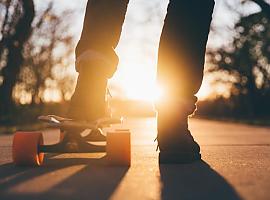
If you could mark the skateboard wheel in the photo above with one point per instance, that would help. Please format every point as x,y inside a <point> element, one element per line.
<point>25,149</point>
<point>118,147</point>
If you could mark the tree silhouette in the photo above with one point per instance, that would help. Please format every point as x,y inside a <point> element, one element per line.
<point>16,30</point>
<point>50,46</point>
<point>39,63</point>
<point>247,59</point>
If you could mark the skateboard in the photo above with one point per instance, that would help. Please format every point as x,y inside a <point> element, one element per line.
<point>28,148</point>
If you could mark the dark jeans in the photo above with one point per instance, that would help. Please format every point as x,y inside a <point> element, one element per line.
<point>182,44</point>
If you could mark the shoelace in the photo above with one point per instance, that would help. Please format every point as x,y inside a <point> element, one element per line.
<point>108,93</point>
<point>157,144</point>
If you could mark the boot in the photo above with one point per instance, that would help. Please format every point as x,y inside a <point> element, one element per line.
<point>175,141</point>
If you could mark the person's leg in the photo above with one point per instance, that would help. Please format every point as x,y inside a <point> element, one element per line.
<point>180,72</point>
<point>96,60</point>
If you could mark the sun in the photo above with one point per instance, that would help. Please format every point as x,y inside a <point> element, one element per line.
<point>137,83</point>
<point>149,92</point>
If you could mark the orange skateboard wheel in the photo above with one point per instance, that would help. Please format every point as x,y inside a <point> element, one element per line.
<point>118,147</point>
<point>25,149</point>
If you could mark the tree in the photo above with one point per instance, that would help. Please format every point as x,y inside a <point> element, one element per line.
<point>247,59</point>
<point>43,60</point>
<point>16,30</point>
<point>47,57</point>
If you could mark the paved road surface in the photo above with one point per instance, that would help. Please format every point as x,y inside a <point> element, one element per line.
<point>236,165</point>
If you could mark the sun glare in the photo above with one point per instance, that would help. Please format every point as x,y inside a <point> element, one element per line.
<point>137,83</point>
<point>149,93</point>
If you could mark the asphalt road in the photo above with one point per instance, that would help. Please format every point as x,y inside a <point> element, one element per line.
<point>236,165</point>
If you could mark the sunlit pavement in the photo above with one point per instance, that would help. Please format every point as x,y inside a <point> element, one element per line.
<point>236,165</point>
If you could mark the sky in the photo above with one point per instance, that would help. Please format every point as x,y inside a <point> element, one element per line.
<point>137,49</point>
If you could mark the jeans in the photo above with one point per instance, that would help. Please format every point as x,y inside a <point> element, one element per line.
<point>182,43</point>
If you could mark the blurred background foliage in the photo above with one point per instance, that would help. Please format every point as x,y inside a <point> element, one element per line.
<point>37,54</point>
<point>245,60</point>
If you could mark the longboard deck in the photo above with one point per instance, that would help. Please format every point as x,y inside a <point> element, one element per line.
<point>53,118</point>
<point>67,123</point>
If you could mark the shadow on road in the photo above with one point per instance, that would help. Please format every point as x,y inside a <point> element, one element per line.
<point>91,179</point>
<point>194,181</point>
